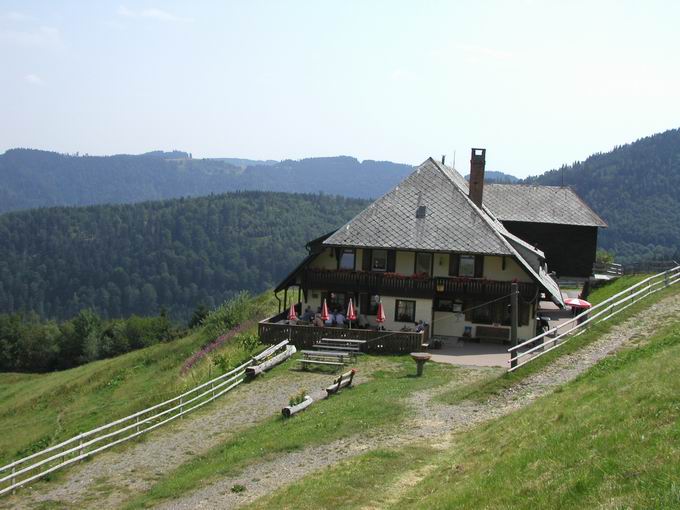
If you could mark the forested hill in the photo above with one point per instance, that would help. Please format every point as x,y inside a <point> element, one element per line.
<point>177,254</point>
<point>636,189</point>
<point>33,178</point>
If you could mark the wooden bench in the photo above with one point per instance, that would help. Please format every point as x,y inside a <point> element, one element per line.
<point>305,362</point>
<point>340,344</point>
<point>327,347</point>
<point>343,341</point>
<point>337,355</point>
<point>341,382</point>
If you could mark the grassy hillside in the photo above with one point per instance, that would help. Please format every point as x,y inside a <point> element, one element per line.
<point>37,410</point>
<point>608,439</point>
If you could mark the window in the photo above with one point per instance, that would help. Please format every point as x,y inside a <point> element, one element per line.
<point>423,263</point>
<point>467,266</point>
<point>379,262</point>
<point>347,259</point>
<point>454,263</point>
<point>368,304</point>
<point>449,305</point>
<point>496,313</point>
<point>405,311</point>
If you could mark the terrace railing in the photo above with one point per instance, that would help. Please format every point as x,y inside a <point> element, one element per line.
<point>304,337</point>
<point>394,284</point>
<point>539,345</point>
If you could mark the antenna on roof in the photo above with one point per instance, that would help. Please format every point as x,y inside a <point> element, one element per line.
<point>562,172</point>
<point>454,159</point>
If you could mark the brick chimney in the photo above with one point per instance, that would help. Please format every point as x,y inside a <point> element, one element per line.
<point>476,185</point>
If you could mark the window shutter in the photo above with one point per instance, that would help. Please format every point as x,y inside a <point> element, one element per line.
<point>454,263</point>
<point>391,261</point>
<point>479,266</point>
<point>366,260</point>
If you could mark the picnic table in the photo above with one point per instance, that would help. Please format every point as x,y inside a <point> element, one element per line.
<point>328,358</point>
<point>340,344</point>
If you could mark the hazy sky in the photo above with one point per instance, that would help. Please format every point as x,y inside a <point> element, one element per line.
<point>536,83</point>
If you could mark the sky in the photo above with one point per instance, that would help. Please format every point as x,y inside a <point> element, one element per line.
<point>537,83</point>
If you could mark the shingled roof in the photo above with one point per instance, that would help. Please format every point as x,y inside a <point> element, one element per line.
<point>450,222</point>
<point>430,210</point>
<point>534,204</point>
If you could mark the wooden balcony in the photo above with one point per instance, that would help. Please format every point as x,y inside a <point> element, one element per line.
<point>276,329</point>
<point>392,284</point>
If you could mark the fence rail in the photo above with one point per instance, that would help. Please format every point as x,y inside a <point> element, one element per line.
<point>377,342</point>
<point>86,444</point>
<point>535,347</point>
<point>608,268</point>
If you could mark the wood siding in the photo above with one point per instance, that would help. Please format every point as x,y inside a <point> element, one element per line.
<point>569,250</point>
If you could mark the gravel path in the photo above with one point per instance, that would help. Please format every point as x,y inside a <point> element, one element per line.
<point>431,420</point>
<point>107,479</point>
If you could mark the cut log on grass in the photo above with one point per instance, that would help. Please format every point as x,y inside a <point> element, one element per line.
<point>341,382</point>
<point>291,410</point>
<point>269,351</point>
<point>255,370</point>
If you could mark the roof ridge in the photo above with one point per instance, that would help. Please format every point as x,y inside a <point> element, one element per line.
<point>490,219</point>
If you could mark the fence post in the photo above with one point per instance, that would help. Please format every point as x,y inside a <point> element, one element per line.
<point>137,421</point>
<point>80,444</point>
<point>666,279</point>
<point>14,480</point>
<point>513,330</point>
<point>181,406</point>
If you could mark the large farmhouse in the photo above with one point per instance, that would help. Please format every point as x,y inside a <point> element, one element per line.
<point>444,251</point>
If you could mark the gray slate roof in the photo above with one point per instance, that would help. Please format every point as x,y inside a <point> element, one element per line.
<point>535,204</point>
<point>452,222</point>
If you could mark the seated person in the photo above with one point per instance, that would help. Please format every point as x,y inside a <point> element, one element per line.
<point>318,322</point>
<point>339,318</point>
<point>329,321</point>
<point>308,315</point>
<point>420,326</point>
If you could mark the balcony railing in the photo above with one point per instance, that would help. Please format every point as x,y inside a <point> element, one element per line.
<point>275,330</point>
<point>393,284</point>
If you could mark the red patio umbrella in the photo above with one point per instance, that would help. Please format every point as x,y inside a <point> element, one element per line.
<point>324,311</point>
<point>351,313</point>
<point>381,314</point>
<point>577,303</point>
<point>292,314</point>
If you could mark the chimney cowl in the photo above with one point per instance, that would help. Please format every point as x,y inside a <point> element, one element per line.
<point>476,184</point>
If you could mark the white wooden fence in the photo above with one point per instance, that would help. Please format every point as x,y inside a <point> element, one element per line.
<point>39,464</point>
<point>537,346</point>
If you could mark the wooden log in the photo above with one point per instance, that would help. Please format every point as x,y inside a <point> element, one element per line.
<point>270,350</point>
<point>255,370</point>
<point>289,411</point>
<point>341,382</point>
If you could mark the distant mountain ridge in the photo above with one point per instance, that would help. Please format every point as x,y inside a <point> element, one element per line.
<point>634,187</point>
<point>32,178</point>
<point>498,177</point>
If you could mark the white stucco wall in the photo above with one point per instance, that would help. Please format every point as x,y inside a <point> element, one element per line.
<point>325,260</point>
<point>493,269</point>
